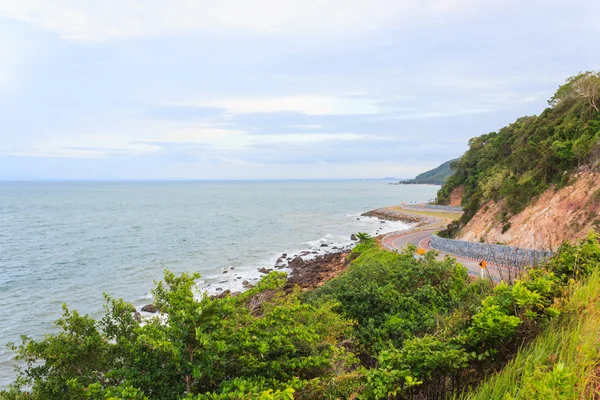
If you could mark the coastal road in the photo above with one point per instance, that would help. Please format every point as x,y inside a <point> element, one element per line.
<point>421,239</point>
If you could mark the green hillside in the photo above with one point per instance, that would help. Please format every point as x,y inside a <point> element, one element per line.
<point>436,176</point>
<point>562,363</point>
<point>521,160</point>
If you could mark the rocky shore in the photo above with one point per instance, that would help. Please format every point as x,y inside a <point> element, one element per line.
<point>309,274</point>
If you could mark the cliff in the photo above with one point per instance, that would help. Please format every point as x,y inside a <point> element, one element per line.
<point>558,215</point>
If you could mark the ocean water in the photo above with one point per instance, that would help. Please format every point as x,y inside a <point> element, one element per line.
<point>70,241</point>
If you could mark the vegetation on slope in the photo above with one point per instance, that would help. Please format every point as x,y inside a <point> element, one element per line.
<point>563,362</point>
<point>522,160</point>
<point>436,176</point>
<point>393,326</point>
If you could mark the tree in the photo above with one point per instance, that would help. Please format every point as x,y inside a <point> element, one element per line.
<point>586,86</point>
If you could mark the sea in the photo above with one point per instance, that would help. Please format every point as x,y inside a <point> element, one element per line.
<point>70,242</point>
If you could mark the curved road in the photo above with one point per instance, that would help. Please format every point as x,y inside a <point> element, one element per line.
<point>422,238</point>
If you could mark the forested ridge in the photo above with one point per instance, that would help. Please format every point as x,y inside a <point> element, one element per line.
<point>523,159</point>
<point>436,176</point>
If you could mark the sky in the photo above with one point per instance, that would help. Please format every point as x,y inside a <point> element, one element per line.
<point>273,89</point>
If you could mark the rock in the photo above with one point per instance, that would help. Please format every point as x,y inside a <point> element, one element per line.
<point>296,263</point>
<point>335,248</point>
<point>151,308</point>
<point>222,295</point>
<point>358,219</point>
<point>305,253</point>
<point>225,272</point>
<point>353,236</point>
<point>284,255</point>
<point>245,283</point>
<point>382,222</point>
<point>218,289</point>
<point>231,267</point>
<point>223,282</point>
<point>239,277</point>
<point>264,270</point>
<point>324,245</point>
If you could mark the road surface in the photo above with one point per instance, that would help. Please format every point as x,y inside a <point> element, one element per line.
<point>421,239</point>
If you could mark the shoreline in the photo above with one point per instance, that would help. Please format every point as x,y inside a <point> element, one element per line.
<point>321,260</point>
<point>309,270</point>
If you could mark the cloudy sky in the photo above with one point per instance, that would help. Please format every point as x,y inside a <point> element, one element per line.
<point>255,89</point>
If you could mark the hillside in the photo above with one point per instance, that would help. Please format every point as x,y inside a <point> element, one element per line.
<point>562,363</point>
<point>504,176</point>
<point>436,176</point>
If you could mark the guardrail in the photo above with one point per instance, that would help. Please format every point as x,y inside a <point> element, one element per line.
<point>445,208</point>
<point>495,253</point>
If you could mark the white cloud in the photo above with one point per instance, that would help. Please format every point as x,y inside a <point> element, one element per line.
<point>229,139</point>
<point>152,136</point>
<point>106,19</point>
<point>83,146</point>
<point>307,104</point>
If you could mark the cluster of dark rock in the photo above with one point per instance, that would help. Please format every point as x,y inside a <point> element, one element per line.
<point>304,273</point>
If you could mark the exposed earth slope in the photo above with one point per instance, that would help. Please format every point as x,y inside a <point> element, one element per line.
<point>556,216</point>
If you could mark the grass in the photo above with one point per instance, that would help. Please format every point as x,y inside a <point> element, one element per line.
<point>438,214</point>
<point>563,362</point>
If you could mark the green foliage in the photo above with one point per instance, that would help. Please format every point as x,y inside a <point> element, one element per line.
<point>521,160</point>
<point>198,346</point>
<point>421,359</point>
<point>393,297</point>
<point>561,363</point>
<point>574,261</point>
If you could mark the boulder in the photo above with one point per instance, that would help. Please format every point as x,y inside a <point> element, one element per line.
<point>353,236</point>
<point>264,270</point>
<point>151,308</point>
<point>296,262</point>
<point>324,245</point>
